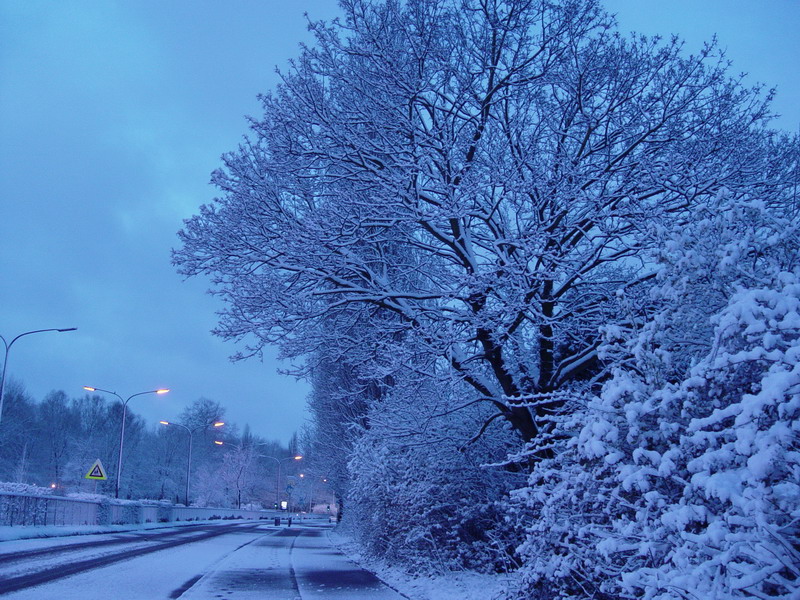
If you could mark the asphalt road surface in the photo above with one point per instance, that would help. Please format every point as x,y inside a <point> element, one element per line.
<point>221,561</point>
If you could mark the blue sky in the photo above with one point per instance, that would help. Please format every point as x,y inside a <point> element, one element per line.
<point>760,37</point>
<point>113,115</point>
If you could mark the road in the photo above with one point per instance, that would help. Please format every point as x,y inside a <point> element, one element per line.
<point>218,561</point>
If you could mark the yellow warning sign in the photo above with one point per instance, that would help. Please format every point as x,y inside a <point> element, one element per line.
<point>96,471</point>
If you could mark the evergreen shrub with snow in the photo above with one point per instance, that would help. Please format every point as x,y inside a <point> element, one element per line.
<point>682,478</point>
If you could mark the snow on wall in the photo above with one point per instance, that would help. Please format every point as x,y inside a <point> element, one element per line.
<point>45,510</point>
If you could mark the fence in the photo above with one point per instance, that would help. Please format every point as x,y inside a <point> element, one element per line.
<point>24,509</point>
<point>186,513</point>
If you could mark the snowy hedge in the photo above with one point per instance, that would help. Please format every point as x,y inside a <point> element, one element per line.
<point>678,483</point>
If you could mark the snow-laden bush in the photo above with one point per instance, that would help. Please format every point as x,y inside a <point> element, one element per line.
<point>682,478</point>
<point>734,530</point>
<point>24,488</point>
<point>425,516</point>
<point>422,500</point>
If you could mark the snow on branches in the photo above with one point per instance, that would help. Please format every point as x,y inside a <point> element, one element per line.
<point>682,478</point>
<point>487,174</point>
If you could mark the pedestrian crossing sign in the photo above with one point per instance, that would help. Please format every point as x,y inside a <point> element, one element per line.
<point>96,471</point>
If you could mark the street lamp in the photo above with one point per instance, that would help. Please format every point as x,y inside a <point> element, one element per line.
<point>311,494</point>
<point>279,461</point>
<point>189,457</point>
<point>5,359</point>
<point>122,428</point>
<point>278,479</point>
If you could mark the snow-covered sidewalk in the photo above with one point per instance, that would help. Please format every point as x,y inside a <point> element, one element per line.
<point>454,585</point>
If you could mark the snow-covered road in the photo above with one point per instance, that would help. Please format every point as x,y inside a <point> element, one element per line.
<point>240,562</point>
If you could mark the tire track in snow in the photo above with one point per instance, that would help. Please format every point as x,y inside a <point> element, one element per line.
<point>12,584</point>
<point>177,593</point>
<point>12,557</point>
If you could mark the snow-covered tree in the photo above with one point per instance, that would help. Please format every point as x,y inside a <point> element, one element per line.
<point>488,173</point>
<point>15,446</point>
<point>238,475</point>
<point>57,425</point>
<point>339,404</point>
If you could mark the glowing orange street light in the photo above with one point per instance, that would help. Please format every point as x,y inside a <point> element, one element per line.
<point>122,429</point>
<point>278,478</point>
<point>218,443</point>
<point>311,494</point>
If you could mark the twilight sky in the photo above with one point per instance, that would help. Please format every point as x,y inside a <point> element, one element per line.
<point>112,116</point>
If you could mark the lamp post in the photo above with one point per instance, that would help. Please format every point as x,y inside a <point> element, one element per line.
<point>278,479</point>
<point>279,461</point>
<point>5,359</point>
<point>311,494</point>
<point>189,456</point>
<point>122,428</point>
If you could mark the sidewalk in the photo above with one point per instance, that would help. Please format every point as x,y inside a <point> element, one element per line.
<point>294,563</point>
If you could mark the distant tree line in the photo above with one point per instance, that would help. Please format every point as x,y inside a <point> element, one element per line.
<point>53,443</point>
